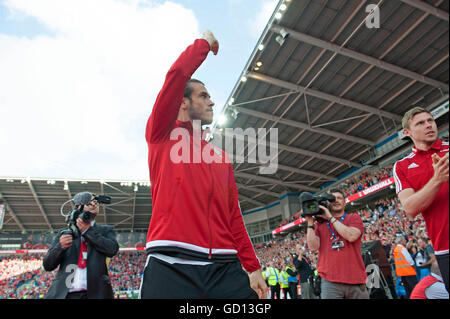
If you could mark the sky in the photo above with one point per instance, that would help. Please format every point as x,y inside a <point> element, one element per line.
<point>78,78</point>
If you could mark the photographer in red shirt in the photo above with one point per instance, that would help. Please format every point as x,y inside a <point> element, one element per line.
<point>421,181</point>
<point>338,240</point>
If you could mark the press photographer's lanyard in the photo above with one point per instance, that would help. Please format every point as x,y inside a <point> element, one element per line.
<point>332,232</point>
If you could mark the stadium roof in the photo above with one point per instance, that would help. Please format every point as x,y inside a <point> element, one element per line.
<point>34,204</point>
<point>333,88</point>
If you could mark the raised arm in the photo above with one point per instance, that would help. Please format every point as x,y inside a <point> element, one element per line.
<point>167,105</point>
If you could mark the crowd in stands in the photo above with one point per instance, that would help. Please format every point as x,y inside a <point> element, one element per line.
<point>126,269</point>
<point>365,180</point>
<point>23,277</point>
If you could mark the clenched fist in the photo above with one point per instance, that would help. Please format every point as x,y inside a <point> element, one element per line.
<point>213,43</point>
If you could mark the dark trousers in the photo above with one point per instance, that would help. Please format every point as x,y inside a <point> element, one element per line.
<point>442,261</point>
<point>409,282</point>
<point>77,295</point>
<point>162,280</point>
<point>275,290</point>
<point>293,290</point>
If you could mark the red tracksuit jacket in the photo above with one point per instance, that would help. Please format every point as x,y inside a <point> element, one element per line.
<point>195,212</point>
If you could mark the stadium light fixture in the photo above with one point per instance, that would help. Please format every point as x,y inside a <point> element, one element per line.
<point>282,37</point>
<point>244,79</point>
<point>278,15</point>
<point>234,113</point>
<point>283,7</point>
<point>222,119</point>
<point>261,47</point>
<point>259,63</point>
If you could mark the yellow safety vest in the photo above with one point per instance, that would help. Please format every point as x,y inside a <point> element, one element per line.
<point>284,280</point>
<point>274,276</point>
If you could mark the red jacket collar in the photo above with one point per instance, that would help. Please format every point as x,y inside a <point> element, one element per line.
<point>436,146</point>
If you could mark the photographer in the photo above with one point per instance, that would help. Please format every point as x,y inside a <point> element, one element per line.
<point>82,258</point>
<point>337,237</point>
<point>304,269</point>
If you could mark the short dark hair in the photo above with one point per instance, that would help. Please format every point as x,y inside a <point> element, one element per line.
<point>188,88</point>
<point>335,190</point>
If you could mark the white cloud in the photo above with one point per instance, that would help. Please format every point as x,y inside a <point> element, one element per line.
<point>259,22</point>
<point>75,104</point>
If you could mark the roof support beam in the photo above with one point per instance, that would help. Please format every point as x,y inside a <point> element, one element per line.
<point>241,159</point>
<point>13,214</point>
<point>305,126</point>
<point>275,181</point>
<point>428,8</point>
<point>251,200</point>
<point>292,149</point>
<point>258,190</point>
<point>306,172</point>
<point>323,96</point>
<point>317,155</point>
<point>41,208</point>
<point>360,57</point>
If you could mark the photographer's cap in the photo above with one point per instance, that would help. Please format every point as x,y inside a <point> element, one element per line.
<point>83,198</point>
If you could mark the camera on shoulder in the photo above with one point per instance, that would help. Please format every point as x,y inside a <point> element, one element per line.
<point>310,204</point>
<point>80,200</point>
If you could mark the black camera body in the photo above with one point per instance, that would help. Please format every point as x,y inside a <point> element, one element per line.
<point>310,203</point>
<point>71,218</point>
<point>71,221</point>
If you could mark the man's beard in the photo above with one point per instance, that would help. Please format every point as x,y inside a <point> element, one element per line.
<point>195,114</point>
<point>332,210</point>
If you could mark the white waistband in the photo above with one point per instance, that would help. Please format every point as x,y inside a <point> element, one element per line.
<point>176,260</point>
<point>441,252</point>
<point>171,243</point>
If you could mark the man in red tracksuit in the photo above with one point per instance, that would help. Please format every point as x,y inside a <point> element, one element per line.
<point>197,240</point>
<point>421,181</point>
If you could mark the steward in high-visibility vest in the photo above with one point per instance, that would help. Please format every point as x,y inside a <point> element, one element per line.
<point>284,283</point>
<point>273,277</point>
<point>402,266</point>
<point>284,279</point>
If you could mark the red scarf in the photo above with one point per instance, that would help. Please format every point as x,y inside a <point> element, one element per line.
<point>83,254</point>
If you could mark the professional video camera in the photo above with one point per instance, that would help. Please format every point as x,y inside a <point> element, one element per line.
<point>310,203</point>
<point>80,200</point>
